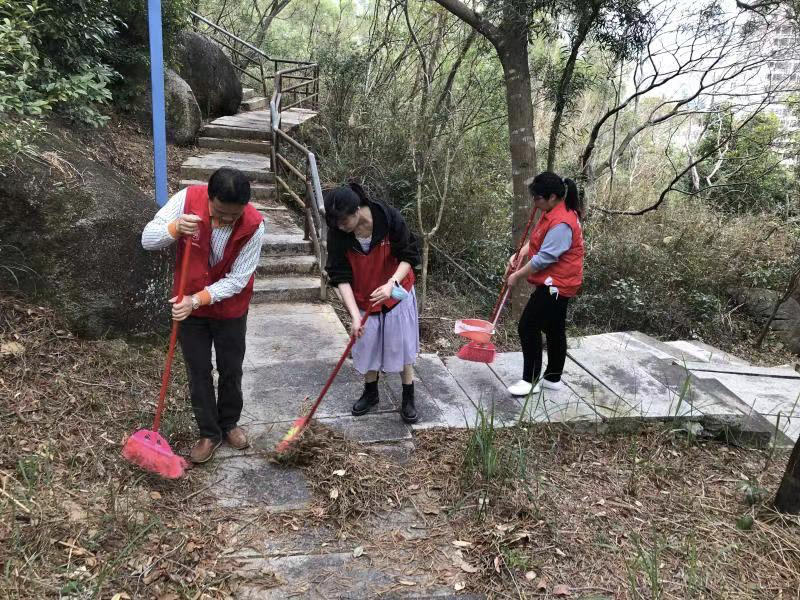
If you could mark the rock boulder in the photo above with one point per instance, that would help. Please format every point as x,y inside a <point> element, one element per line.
<point>211,75</point>
<point>184,118</point>
<point>760,302</point>
<point>76,227</point>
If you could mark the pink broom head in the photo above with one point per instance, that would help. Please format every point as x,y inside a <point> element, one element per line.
<point>477,352</point>
<point>151,452</point>
<point>292,435</point>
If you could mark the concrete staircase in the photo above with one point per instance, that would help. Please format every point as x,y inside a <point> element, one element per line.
<point>288,269</point>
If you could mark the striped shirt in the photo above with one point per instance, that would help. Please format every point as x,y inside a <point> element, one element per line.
<point>156,237</point>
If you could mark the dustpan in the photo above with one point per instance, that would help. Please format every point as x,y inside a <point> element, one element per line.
<point>477,330</point>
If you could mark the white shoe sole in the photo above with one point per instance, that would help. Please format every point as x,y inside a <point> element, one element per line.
<point>554,386</point>
<point>517,390</point>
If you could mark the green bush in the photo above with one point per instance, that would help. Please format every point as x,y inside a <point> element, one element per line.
<point>51,60</point>
<point>61,57</point>
<point>670,273</point>
<point>750,176</point>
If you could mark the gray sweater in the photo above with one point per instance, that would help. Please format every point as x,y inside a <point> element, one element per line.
<point>557,241</point>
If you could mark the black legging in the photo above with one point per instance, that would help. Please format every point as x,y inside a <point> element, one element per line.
<point>544,313</point>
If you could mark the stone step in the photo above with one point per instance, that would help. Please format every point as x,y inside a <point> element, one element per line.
<point>255,103</point>
<point>697,350</point>
<point>235,145</point>
<point>285,245</point>
<point>286,289</point>
<point>279,265</point>
<point>454,406</point>
<point>254,166</point>
<point>258,191</point>
<point>484,389</point>
<point>248,93</point>
<point>235,132</point>
<point>645,380</point>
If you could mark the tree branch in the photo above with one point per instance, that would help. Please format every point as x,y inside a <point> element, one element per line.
<point>473,19</point>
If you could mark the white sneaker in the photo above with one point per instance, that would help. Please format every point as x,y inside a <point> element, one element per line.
<point>553,385</point>
<point>523,388</point>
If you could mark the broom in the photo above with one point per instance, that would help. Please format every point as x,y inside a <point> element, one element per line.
<point>485,351</point>
<point>300,425</point>
<point>147,448</point>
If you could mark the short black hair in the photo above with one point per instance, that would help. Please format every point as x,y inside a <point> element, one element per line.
<point>343,201</point>
<point>229,186</point>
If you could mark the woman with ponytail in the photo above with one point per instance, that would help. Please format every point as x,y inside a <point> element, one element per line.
<point>555,268</point>
<point>371,253</point>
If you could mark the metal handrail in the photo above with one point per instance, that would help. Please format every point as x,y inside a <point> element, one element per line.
<point>313,206</point>
<point>230,39</point>
<point>230,35</point>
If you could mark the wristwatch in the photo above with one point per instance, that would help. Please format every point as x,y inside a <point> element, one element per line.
<point>195,302</point>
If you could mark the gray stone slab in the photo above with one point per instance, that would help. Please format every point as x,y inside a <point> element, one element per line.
<point>372,427</point>
<point>620,368</point>
<point>295,308</point>
<point>397,452</point>
<point>285,245</point>
<point>277,333</point>
<point>286,288</point>
<point>278,392</point>
<point>317,577</point>
<point>546,405</point>
<point>678,352</point>
<point>684,396</point>
<point>766,397</point>
<point>455,406</point>
<point>281,265</point>
<point>254,166</point>
<point>766,372</point>
<point>484,389</point>
<point>706,352</point>
<point>593,392</point>
<point>428,410</point>
<point>253,481</point>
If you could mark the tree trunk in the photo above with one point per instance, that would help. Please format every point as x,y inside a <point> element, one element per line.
<point>423,284</point>
<point>787,500</point>
<point>513,52</point>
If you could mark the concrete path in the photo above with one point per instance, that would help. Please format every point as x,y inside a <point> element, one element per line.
<point>612,380</point>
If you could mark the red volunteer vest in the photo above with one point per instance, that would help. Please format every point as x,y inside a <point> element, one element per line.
<point>372,270</point>
<point>567,272</point>
<point>201,274</point>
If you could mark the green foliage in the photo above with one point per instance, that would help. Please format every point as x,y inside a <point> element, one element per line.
<point>61,57</point>
<point>743,171</point>
<point>51,60</point>
<point>131,56</point>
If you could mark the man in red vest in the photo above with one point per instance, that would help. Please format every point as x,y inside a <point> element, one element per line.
<point>226,233</point>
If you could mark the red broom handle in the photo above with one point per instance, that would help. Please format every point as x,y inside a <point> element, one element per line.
<point>338,366</point>
<point>173,336</point>
<point>498,305</point>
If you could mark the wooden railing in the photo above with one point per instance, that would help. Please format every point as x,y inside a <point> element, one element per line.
<point>292,162</point>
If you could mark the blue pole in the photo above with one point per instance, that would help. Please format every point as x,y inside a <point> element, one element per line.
<point>157,86</point>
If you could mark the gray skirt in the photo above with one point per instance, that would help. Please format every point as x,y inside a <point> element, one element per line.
<point>391,340</point>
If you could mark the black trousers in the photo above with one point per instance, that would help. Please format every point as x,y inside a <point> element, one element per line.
<point>215,416</point>
<point>544,313</point>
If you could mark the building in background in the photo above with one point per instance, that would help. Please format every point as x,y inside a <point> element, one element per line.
<point>783,71</point>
